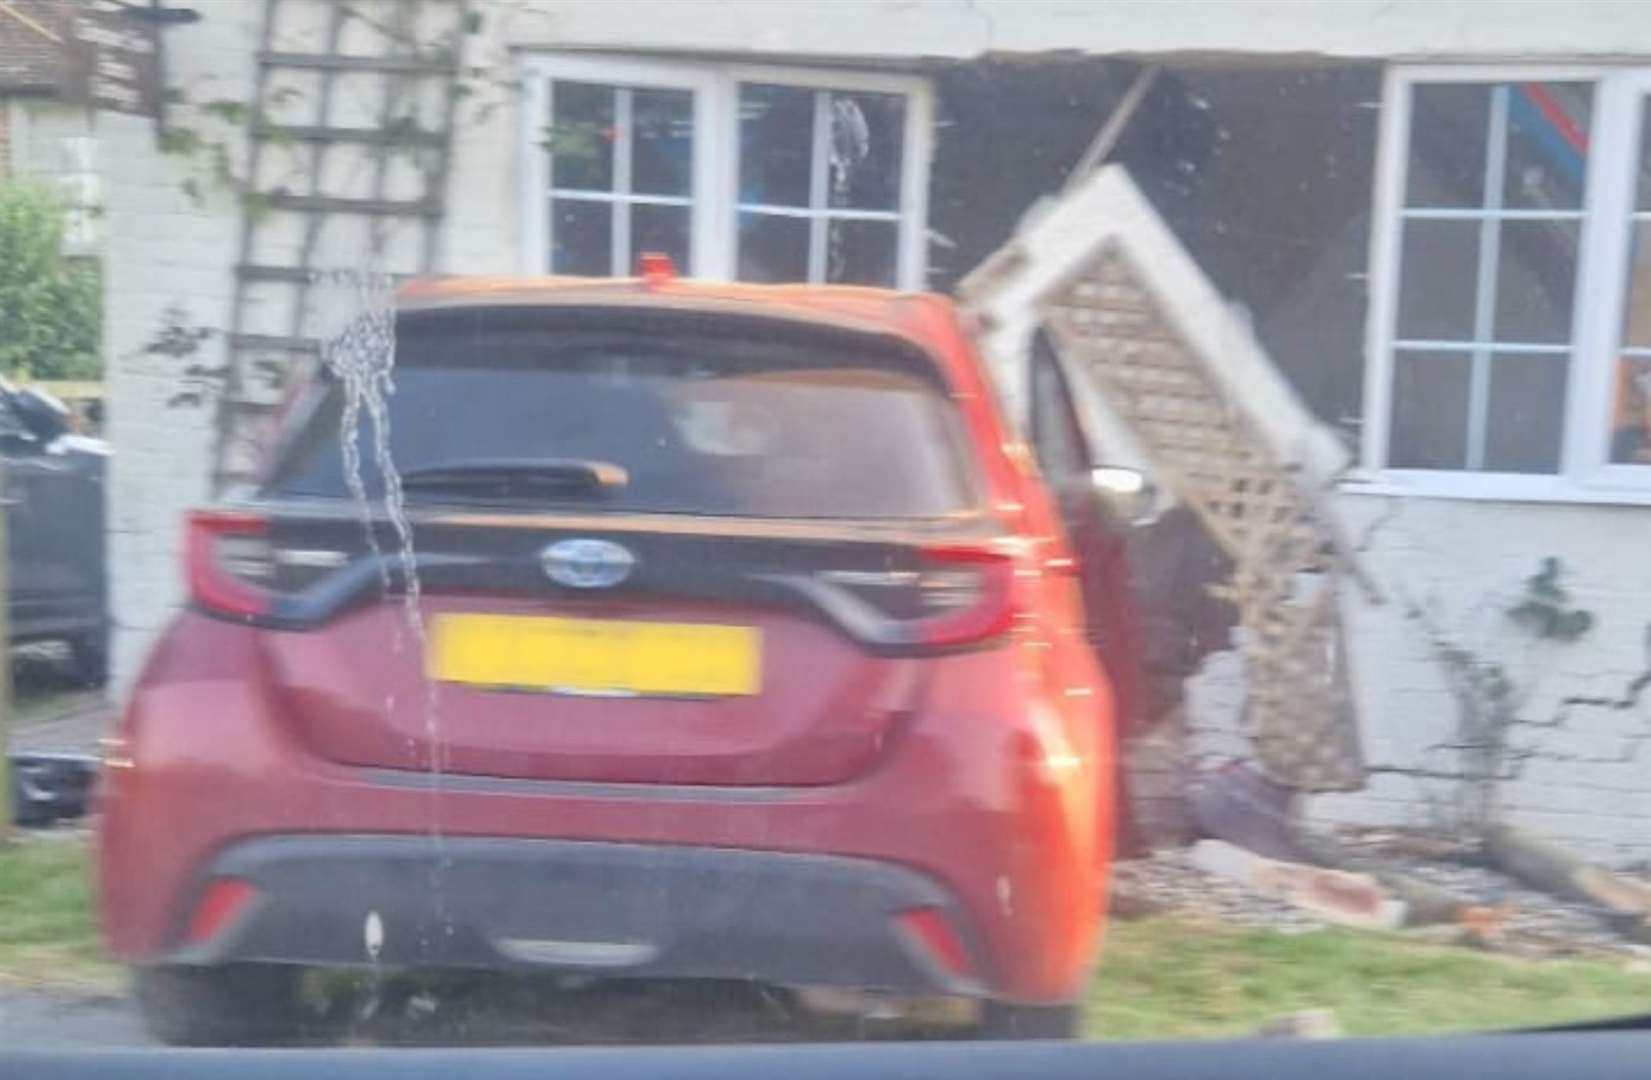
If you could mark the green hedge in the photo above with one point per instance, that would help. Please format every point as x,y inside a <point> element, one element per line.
<point>51,307</point>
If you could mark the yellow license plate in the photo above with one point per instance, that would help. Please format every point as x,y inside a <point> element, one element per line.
<point>596,655</point>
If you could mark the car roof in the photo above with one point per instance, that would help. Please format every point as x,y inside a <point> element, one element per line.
<point>917,317</point>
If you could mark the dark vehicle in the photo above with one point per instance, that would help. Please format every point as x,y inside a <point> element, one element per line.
<point>53,498</point>
<point>737,638</point>
<point>46,788</point>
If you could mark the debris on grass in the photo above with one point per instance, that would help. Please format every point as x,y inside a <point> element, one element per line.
<point>1492,908</point>
<point>1333,895</point>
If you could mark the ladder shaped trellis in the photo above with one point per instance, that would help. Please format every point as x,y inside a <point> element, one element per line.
<point>349,140</point>
<point>1131,314</point>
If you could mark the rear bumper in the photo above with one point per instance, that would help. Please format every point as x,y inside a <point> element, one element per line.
<point>573,906</point>
<point>987,794</point>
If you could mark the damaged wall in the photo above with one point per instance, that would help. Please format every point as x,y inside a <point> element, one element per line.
<point>1579,712</point>
<point>1265,177</point>
<point>1572,737</point>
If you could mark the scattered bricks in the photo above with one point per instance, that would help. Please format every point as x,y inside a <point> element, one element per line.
<point>1335,895</point>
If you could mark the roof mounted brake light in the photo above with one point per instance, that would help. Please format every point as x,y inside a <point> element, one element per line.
<point>657,269</point>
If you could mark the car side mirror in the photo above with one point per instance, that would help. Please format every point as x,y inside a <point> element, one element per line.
<point>40,414</point>
<point>1128,494</point>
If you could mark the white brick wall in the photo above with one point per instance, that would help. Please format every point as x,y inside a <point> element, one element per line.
<point>39,128</point>
<point>1588,779</point>
<point>162,251</point>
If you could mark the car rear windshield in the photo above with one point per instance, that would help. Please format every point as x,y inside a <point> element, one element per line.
<point>702,425</point>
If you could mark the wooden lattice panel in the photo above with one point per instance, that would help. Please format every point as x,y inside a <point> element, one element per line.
<point>1105,321</point>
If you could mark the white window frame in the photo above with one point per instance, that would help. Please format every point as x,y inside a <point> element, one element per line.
<point>1584,474</point>
<point>715,188</point>
<point>538,72</point>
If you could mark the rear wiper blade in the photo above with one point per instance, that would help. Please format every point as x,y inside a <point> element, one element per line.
<point>516,476</point>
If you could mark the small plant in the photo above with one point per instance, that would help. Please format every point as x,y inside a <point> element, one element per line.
<point>178,340</point>
<point>1546,609</point>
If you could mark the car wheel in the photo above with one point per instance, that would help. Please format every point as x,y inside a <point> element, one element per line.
<point>1001,1020</point>
<point>232,1005</point>
<point>89,660</point>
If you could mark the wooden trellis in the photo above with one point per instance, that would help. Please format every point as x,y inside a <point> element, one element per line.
<point>1133,318</point>
<point>349,133</point>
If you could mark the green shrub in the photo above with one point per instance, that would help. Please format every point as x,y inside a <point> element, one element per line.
<point>51,307</point>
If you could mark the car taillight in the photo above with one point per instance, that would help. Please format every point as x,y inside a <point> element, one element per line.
<point>222,903</point>
<point>228,562</point>
<point>932,934</point>
<point>955,595</point>
<point>970,594</point>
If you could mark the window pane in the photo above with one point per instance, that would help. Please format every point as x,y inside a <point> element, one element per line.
<point>1631,384</point>
<point>773,248</point>
<point>1636,317</point>
<point>1430,410</point>
<point>1547,145</point>
<point>861,252</point>
<point>1535,280</point>
<point>1525,412</point>
<point>581,136</point>
<point>1438,277</point>
<point>1631,412</point>
<point>1447,144</point>
<point>867,131</point>
<point>581,235</point>
<point>663,144</point>
<point>660,228</point>
<point>776,144</point>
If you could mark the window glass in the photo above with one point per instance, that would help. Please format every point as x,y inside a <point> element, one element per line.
<point>833,161</point>
<point>663,229</point>
<point>815,194</point>
<point>663,148</point>
<point>1056,437</point>
<point>1447,133</point>
<point>1525,412</point>
<point>1489,251</point>
<point>1630,375</point>
<point>621,173</point>
<point>582,136</point>
<point>745,427</point>
<point>1631,414</point>
<point>773,247</point>
<point>1548,135</point>
<point>1437,265</point>
<point>582,237</point>
<point>864,151</point>
<point>1535,281</point>
<point>776,155</point>
<point>861,252</point>
<point>1430,400</point>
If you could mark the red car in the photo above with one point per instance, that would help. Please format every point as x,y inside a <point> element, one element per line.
<point>737,638</point>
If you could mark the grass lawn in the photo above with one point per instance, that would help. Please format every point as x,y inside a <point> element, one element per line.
<point>47,937</point>
<point>1162,977</point>
<point>1168,978</point>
